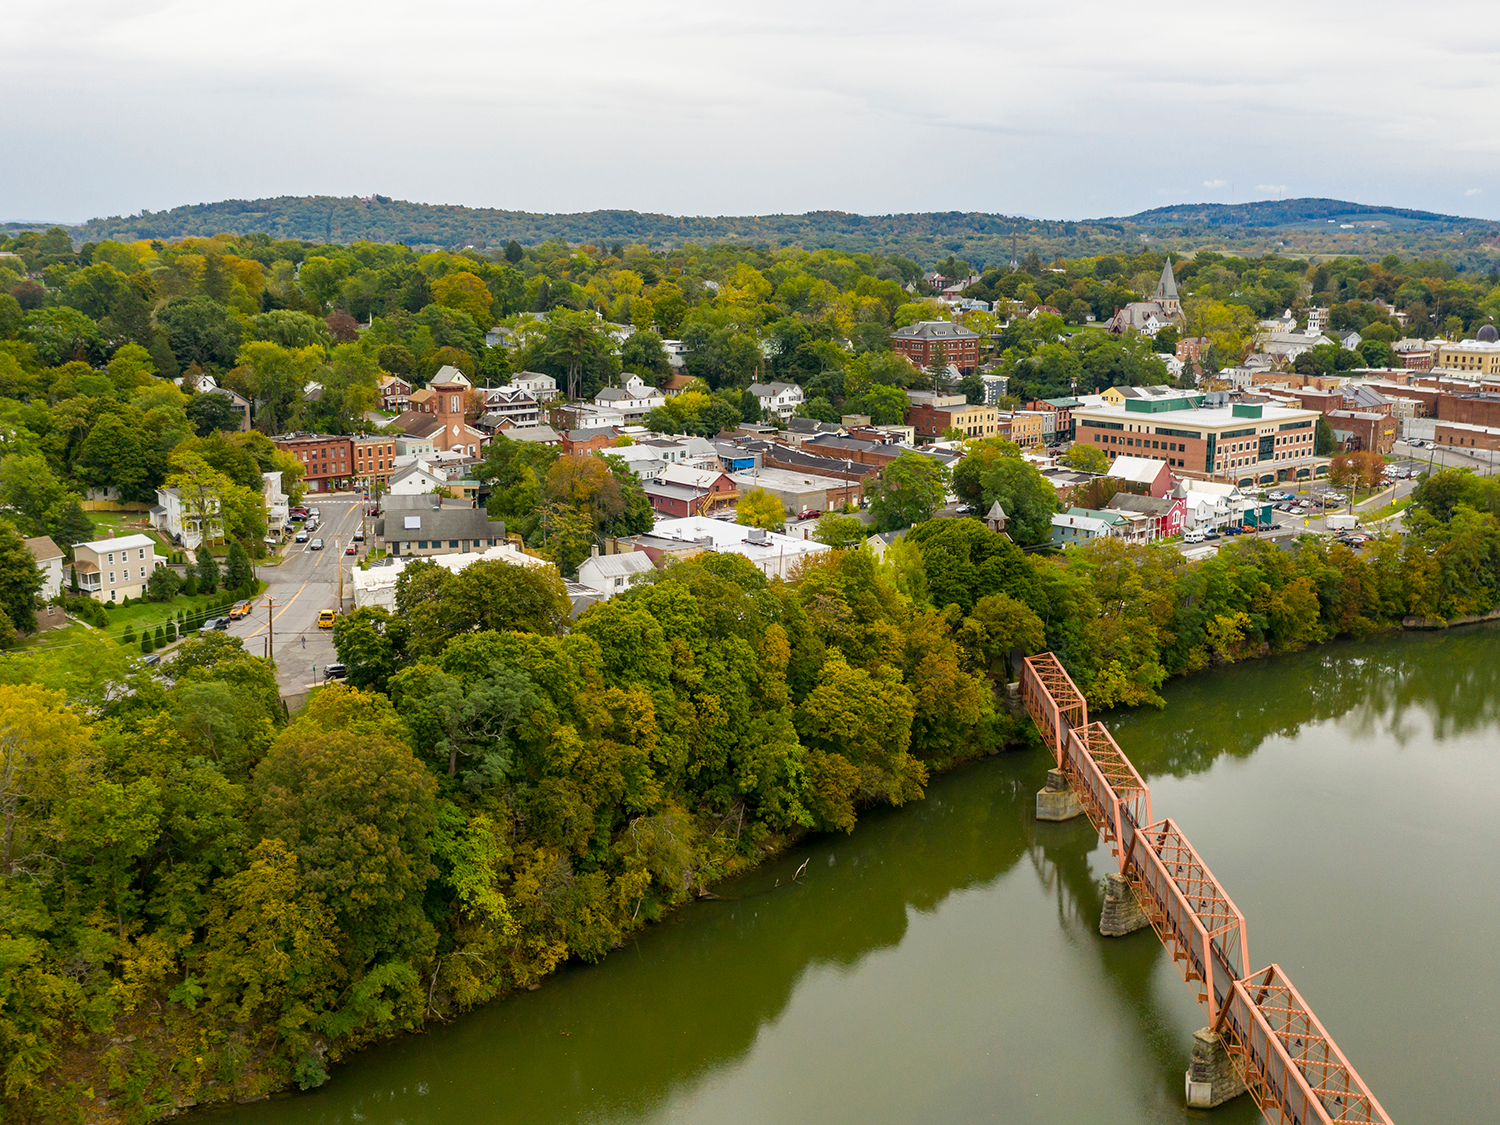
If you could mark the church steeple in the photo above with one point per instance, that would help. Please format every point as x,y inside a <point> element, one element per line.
<point>1166,291</point>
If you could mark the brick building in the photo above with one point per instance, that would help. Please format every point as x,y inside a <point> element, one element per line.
<point>932,415</point>
<point>327,459</point>
<point>1247,443</point>
<point>374,458</point>
<point>1356,430</point>
<point>922,341</point>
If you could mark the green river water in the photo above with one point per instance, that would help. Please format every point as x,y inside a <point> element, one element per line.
<point>943,963</point>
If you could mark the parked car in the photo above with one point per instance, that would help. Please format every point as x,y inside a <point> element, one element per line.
<point>1210,533</point>
<point>351,550</point>
<point>315,545</point>
<point>810,514</point>
<point>359,536</point>
<point>151,660</point>
<point>325,618</point>
<point>1193,535</point>
<point>240,609</point>
<point>301,536</point>
<point>335,672</point>
<point>297,510</point>
<point>213,624</point>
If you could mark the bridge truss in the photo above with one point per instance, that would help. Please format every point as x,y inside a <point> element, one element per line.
<point>1290,1066</point>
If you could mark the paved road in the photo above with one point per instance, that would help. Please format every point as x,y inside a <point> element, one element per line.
<point>305,583</point>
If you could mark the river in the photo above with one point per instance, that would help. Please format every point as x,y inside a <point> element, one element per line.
<point>943,963</point>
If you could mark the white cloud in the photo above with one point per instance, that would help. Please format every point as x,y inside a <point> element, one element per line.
<point>1474,191</point>
<point>713,107</point>
<point>1276,189</point>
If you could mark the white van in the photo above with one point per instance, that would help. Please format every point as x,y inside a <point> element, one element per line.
<point>1193,535</point>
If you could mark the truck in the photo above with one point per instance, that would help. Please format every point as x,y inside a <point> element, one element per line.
<point>1342,522</point>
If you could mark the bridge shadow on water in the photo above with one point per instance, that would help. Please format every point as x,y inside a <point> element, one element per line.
<point>690,997</point>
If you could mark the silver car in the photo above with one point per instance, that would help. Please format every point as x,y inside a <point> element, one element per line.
<point>315,545</point>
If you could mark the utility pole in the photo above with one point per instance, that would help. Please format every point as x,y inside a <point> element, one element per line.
<point>270,627</point>
<point>339,547</point>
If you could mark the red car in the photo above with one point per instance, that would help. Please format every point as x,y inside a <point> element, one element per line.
<point>809,514</point>
<point>351,550</point>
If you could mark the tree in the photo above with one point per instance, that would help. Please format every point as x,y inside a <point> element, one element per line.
<point>163,585</point>
<point>513,252</point>
<point>1324,443</point>
<point>1086,458</point>
<point>345,794</point>
<point>212,412</point>
<point>466,293</point>
<point>207,571</point>
<point>20,579</point>
<point>908,490</point>
<point>759,508</point>
<point>643,352</point>
<point>886,405</point>
<point>31,491</point>
<point>371,643</point>
<point>203,491</point>
<point>114,455</point>
<point>238,573</point>
<point>840,532</point>
<point>201,331</point>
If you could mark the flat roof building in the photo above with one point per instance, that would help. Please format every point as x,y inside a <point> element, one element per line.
<point>1248,443</point>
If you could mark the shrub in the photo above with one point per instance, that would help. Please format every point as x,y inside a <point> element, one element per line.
<point>161,636</point>
<point>147,644</point>
<point>190,585</point>
<point>128,637</point>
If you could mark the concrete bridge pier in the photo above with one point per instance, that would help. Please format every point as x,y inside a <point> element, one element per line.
<point>1056,800</point>
<point>1122,911</point>
<point>1211,1077</point>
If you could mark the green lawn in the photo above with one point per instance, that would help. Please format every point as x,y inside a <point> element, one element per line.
<point>140,616</point>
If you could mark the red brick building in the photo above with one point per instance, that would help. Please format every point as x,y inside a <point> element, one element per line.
<point>327,460</point>
<point>374,458</point>
<point>922,341</point>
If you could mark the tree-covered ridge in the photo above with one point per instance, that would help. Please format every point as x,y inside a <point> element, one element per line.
<point>1269,226</point>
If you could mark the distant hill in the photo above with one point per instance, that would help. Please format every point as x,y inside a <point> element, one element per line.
<point>1304,227</point>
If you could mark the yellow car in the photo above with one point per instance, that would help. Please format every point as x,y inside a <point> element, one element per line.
<point>325,619</point>
<point>240,610</point>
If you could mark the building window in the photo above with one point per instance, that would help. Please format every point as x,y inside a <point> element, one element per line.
<point>111,578</point>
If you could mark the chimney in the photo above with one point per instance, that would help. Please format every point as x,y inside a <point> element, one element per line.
<point>594,551</point>
<point>111,534</point>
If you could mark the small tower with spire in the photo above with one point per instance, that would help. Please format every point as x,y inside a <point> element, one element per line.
<point>1166,292</point>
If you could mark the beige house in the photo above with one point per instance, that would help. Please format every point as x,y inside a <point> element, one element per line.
<point>111,570</point>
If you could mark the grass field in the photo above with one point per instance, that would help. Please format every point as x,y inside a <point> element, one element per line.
<point>145,615</point>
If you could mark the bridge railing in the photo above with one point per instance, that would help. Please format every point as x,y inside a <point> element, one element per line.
<point>1190,911</point>
<point>1291,1067</point>
<point>1053,700</point>
<point>1110,790</point>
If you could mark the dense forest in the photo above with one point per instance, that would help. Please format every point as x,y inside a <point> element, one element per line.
<point>203,898</point>
<point>1316,227</point>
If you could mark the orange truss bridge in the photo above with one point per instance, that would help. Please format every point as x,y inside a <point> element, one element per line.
<point>1287,1062</point>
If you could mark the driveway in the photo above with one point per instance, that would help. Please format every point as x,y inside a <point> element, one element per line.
<point>305,583</point>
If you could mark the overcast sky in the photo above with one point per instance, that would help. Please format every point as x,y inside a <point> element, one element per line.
<point>1063,110</point>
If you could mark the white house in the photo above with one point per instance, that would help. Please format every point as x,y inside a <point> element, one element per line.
<point>277,502</point>
<point>634,400</point>
<point>541,387</point>
<point>112,570</point>
<point>183,521</point>
<point>377,585</point>
<point>779,399</point>
<point>49,560</point>
<point>613,574</point>
<point>416,480</point>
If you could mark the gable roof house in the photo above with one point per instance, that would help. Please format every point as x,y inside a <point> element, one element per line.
<point>635,399</point>
<point>613,574</point>
<point>779,399</point>
<point>49,560</point>
<point>438,531</point>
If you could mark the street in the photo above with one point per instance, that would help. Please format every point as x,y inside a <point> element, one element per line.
<point>305,583</point>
